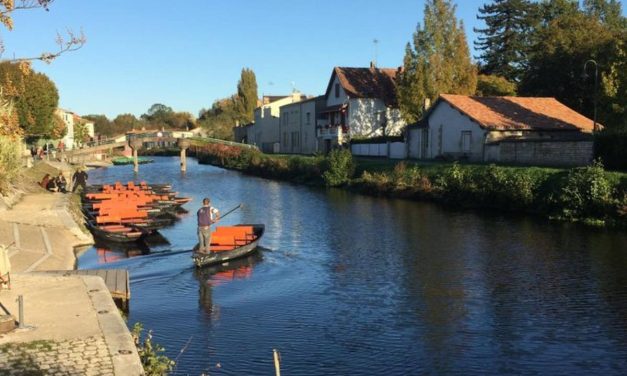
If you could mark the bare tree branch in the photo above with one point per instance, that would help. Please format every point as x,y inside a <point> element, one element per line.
<point>71,42</point>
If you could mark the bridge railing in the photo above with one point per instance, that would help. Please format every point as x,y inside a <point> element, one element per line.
<point>223,142</point>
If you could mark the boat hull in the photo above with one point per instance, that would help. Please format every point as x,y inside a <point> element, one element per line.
<point>215,258</point>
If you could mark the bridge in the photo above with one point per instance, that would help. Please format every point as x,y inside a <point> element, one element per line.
<point>136,140</point>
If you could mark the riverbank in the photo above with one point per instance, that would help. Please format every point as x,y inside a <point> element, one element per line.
<point>73,325</point>
<point>590,195</point>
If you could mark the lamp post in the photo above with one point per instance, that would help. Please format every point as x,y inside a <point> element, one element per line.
<point>596,75</point>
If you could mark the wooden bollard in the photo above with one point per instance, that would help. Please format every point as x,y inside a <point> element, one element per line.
<point>183,145</point>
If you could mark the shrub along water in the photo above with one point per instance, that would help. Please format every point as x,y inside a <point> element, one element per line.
<point>587,194</point>
<point>10,162</point>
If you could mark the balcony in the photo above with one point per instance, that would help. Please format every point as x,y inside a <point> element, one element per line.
<point>332,132</point>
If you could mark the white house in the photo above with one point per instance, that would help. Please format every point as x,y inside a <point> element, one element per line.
<point>502,129</point>
<point>265,131</point>
<point>68,119</point>
<point>360,103</point>
<point>298,126</point>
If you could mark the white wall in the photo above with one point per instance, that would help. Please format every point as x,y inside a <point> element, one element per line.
<point>267,120</point>
<point>446,125</point>
<point>365,116</point>
<point>395,150</point>
<point>331,99</point>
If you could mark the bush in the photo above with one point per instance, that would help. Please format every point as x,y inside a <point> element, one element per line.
<point>340,167</point>
<point>151,354</point>
<point>10,161</point>
<point>585,192</point>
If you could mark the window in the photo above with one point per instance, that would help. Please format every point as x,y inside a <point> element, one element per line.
<point>285,139</point>
<point>285,118</point>
<point>466,141</point>
<point>307,118</point>
<point>337,90</point>
<point>295,140</point>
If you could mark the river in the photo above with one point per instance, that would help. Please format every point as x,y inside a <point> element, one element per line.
<point>353,285</point>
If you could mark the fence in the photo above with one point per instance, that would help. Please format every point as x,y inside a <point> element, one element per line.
<point>392,150</point>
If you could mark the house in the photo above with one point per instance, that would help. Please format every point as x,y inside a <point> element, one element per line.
<point>360,103</point>
<point>297,126</point>
<point>68,119</point>
<point>540,131</point>
<point>265,131</point>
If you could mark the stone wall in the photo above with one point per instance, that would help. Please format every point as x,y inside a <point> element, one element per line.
<point>546,152</point>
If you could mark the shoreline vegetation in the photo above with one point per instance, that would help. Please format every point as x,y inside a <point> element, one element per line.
<point>589,194</point>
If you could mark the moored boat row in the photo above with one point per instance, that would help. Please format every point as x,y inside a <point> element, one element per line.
<point>127,212</point>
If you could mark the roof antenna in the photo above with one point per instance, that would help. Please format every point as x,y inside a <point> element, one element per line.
<point>293,86</point>
<point>375,41</point>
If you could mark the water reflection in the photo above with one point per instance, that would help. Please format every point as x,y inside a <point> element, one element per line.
<point>217,275</point>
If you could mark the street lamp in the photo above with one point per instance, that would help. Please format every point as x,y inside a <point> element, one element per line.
<point>596,75</point>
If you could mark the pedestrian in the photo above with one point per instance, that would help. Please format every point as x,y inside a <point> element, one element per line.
<point>79,179</point>
<point>207,215</point>
<point>61,183</point>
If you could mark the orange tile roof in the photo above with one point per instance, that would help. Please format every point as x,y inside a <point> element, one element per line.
<point>519,113</point>
<point>368,83</point>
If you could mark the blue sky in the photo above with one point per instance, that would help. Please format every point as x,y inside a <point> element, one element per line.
<point>186,54</point>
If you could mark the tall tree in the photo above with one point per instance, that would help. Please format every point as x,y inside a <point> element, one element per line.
<point>247,95</point>
<point>102,125</point>
<point>437,62</point>
<point>34,96</point>
<point>126,122</point>
<point>504,41</point>
<point>609,12</point>
<point>563,46</point>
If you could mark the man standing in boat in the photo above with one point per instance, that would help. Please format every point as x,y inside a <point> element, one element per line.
<point>207,215</point>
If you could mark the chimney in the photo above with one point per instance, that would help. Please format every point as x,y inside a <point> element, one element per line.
<point>426,104</point>
<point>400,70</point>
<point>373,66</point>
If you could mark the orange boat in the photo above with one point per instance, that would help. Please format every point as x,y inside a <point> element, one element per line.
<point>229,243</point>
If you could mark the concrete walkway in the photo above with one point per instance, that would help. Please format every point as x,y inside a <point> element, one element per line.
<point>74,327</point>
<point>41,233</point>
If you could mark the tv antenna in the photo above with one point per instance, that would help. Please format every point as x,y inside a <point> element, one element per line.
<point>375,42</point>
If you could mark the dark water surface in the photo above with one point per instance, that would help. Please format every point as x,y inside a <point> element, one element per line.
<point>355,285</point>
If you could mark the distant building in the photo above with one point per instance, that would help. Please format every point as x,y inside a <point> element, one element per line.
<point>68,118</point>
<point>537,131</point>
<point>360,103</point>
<point>264,133</point>
<point>298,126</point>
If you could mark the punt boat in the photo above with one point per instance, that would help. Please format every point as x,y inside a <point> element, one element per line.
<point>229,243</point>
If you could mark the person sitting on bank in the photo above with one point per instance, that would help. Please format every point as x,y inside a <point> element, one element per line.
<point>79,179</point>
<point>44,182</point>
<point>52,185</point>
<point>207,215</point>
<point>61,183</point>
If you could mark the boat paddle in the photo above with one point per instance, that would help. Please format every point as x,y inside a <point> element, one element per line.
<point>230,211</point>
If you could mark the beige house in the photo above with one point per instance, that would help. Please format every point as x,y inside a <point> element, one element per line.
<point>265,133</point>
<point>539,131</point>
<point>298,126</point>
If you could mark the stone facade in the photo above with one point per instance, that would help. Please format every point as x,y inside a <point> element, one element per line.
<point>546,152</point>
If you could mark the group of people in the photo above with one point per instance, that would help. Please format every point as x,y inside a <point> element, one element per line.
<point>59,183</point>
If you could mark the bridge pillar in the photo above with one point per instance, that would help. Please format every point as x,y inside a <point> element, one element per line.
<point>136,145</point>
<point>184,145</point>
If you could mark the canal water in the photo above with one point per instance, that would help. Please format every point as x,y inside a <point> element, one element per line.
<point>354,285</point>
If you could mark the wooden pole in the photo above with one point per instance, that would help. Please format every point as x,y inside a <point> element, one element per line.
<point>277,362</point>
<point>183,160</point>
<point>135,161</point>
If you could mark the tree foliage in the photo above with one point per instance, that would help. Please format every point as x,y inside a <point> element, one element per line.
<point>220,119</point>
<point>161,116</point>
<point>226,113</point>
<point>247,95</point>
<point>33,95</point>
<point>438,61</point>
<point>493,85</point>
<point>504,42</point>
<point>565,38</point>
